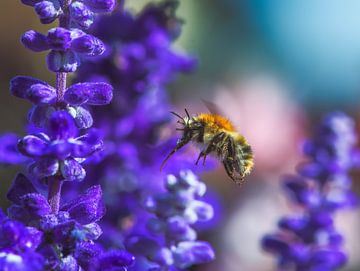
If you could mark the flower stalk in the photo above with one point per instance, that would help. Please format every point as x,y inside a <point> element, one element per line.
<point>54,194</point>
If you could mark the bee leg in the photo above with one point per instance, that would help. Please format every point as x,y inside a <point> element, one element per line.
<point>211,147</point>
<point>204,160</point>
<point>201,154</point>
<point>228,169</point>
<point>178,146</point>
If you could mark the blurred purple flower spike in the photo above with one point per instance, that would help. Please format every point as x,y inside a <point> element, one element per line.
<point>170,239</point>
<point>139,62</point>
<point>309,240</point>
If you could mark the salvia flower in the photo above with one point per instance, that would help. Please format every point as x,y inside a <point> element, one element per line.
<point>62,238</point>
<point>80,13</point>
<point>43,231</point>
<point>309,240</point>
<point>67,46</point>
<point>172,241</point>
<point>18,246</point>
<point>60,114</point>
<point>139,62</point>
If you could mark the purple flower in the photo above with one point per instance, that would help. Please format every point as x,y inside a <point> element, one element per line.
<point>72,229</point>
<point>67,46</point>
<point>309,240</point>
<point>175,211</point>
<point>8,150</point>
<point>18,245</point>
<point>139,67</point>
<point>61,232</point>
<point>81,12</point>
<point>43,230</point>
<point>60,151</point>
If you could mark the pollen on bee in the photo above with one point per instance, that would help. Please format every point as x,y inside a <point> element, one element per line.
<point>217,120</point>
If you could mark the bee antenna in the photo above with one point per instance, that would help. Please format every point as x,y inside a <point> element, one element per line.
<point>176,114</point>
<point>187,113</point>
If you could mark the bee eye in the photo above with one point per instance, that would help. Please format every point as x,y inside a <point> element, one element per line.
<point>197,125</point>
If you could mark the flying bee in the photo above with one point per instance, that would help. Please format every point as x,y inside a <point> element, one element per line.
<point>218,136</point>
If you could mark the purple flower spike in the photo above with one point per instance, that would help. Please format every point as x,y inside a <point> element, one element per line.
<point>88,207</point>
<point>173,220</point>
<point>35,41</point>
<point>50,235</point>
<point>41,236</point>
<point>308,239</point>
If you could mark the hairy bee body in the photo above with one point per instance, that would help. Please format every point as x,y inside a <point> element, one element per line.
<point>216,135</point>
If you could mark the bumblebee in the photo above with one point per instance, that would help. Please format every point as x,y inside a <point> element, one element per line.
<point>216,135</point>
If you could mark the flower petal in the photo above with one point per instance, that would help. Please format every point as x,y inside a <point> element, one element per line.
<point>100,5</point>
<point>72,171</point>
<point>83,118</point>
<point>81,14</point>
<point>59,38</point>
<point>190,253</point>
<point>41,94</point>
<point>36,205</point>
<point>35,41</point>
<point>47,11</point>
<point>78,93</point>
<point>59,61</point>
<point>32,146</point>
<point>20,84</point>
<point>89,45</point>
<point>61,125</point>
<point>20,186</point>
<point>9,153</point>
<point>88,207</point>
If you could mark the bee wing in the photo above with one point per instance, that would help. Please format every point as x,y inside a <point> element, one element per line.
<point>213,108</point>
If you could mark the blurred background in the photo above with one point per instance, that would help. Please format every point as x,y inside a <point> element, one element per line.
<point>273,67</point>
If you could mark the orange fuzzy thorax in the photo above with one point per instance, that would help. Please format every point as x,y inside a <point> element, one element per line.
<point>216,122</point>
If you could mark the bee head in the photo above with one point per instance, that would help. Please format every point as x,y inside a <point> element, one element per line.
<point>187,124</point>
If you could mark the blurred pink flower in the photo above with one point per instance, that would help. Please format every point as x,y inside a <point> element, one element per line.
<point>270,120</point>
